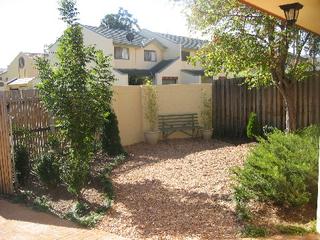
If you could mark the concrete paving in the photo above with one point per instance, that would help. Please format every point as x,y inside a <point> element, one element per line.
<point>19,222</point>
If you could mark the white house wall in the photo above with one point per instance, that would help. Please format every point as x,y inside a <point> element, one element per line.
<point>122,79</point>
<point>173,70</point>
<point>188,78</point>
<point>187,65</point>
<point>100,42</point>
<point>90,38</point>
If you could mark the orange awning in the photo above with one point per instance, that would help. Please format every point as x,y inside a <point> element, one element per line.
<point>309,15</point>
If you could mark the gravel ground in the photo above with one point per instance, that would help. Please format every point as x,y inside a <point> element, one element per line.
<point>176,190</point>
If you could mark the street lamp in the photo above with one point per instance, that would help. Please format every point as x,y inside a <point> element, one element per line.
<point>291,12</point>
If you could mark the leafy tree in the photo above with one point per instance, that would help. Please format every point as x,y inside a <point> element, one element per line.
<point>254,44</point>
<point>77,90</point>
<point>122,20</point>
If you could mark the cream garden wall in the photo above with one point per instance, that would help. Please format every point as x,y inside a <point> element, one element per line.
<point>129,100</point>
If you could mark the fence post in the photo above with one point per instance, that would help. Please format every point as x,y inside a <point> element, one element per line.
<point>6,180</point>
<point>318,203</point>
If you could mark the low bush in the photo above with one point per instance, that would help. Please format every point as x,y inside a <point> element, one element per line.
<point>295,230</point>
<point>268,129</point>
<point>41,204</point>
<point>105,178</point>
<point>254,231</point>
<point>111,143</point>
<point>22,163</point>
<point>282,169</point>
<point>48,170</point>
<point>81,214</point>
<point>22,196</point>
<point>253,129</point>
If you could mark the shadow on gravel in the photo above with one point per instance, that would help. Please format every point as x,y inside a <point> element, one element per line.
<point>157,210</point>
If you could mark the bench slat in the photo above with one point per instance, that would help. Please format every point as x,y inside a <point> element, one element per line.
<point>179,121</point>
<point>178,127</point>
<point>184,114</point>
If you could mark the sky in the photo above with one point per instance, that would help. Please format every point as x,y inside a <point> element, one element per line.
<point>29,25</point>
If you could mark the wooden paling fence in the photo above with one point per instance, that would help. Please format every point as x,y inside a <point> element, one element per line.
<point>23,122</point>
<point>30,122</point>
<point>6,176</point>
<point>233,102</point>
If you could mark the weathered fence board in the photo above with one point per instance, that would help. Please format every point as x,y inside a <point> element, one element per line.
<point>6,178</point>
<point>30,121</point>
<point>233,103</point>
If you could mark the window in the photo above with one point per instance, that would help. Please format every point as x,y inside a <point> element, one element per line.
<point>150,56</point>
<point>121,53</point>
<point>169,80</point>
<point>185,55</point>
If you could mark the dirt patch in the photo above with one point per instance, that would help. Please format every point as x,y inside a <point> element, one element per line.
<point>176,190</point>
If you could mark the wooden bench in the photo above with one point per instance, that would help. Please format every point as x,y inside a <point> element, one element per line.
<point>186,123</point>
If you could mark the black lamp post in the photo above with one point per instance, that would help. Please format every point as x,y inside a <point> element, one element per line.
<point>291,12</point>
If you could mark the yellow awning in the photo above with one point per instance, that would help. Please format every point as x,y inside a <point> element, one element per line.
<point>309,15</point>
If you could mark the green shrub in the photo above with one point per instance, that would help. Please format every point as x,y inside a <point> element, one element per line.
<point>151,106</point>
<point>111,142</point>
<point>22,196</point>
<point>293,230</point>
<point>22,163</point>
<point>282,169</point>
<point>253,129</point>
<point>41,204</point>
<point>48,170</point>
<point>81,214</point>
<point>268,129</point>
<point>254,231</point>
<point>312,132</point>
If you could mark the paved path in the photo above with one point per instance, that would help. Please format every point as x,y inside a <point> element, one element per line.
<point>19,222</point>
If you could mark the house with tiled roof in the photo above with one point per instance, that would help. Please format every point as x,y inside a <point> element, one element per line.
<point>136,55</point>
<point>21,73</point>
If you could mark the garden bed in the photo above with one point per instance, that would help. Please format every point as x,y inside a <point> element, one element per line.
<point>174,190</point>
<point>60,202</point>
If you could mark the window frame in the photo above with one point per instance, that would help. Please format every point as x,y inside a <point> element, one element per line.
<point>175,79</point>
<point>121,58</point>
<point>146,60</point>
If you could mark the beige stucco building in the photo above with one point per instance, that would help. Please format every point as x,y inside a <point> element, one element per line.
<point>21,72</point>
<point>161,57</point>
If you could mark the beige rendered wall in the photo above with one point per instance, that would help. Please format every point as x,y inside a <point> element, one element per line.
<point>128,108</point>
<point>129,101</point>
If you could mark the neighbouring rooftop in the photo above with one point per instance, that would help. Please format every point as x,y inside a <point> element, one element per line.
<point>120,37</point>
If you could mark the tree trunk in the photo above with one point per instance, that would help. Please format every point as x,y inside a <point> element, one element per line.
<point>290,108</point>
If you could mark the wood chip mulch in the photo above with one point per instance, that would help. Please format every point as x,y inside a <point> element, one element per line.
<point>178,189</point>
